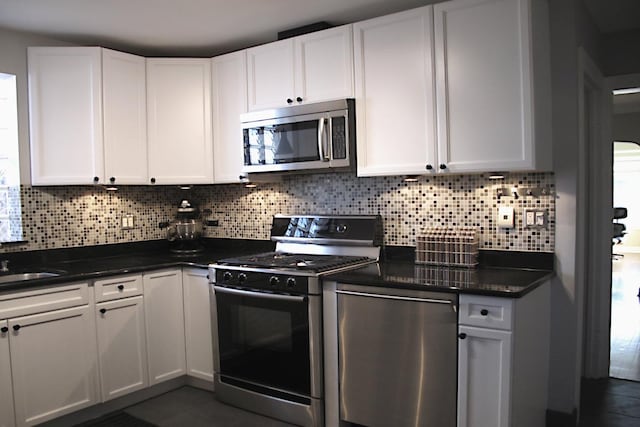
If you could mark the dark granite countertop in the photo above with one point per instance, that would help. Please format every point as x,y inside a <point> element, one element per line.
<point>501,273</point>
<point>77,264</point>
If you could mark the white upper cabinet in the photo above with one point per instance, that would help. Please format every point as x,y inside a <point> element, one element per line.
<point>394,87</point>
<point>179,121</point>
<point>65,115</point>
<point>125,117</point>
<point>314,67</point>
<point>229,100</point>
<point>324,65</point>
<point>485,87</point>
<point>475,98</point>
<point>270,79</point>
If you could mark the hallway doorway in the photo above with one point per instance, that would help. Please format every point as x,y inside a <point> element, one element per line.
<point>625,269</point>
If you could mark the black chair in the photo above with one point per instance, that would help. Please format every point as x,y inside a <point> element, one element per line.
<point>619,229</point>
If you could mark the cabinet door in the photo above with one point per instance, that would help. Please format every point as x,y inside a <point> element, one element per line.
<point>53,363</point>
<point>125,117</point>
<point>197,323</point>
<point>324,65</point>
<point>270,77</point>
<point>164,324</point>
<point>484,85</point>
<point>122,351</point>
<point>7,418</point>
<point>484,377</point>
<point>65,115</point>
<point>395,93</point>
<point>179,121</point>
<point>229,76</point>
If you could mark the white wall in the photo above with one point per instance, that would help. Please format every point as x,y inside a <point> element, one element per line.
<point>570,28</point>
<point>13,60</point>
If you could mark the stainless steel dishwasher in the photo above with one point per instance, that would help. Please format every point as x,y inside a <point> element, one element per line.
<point>397,356</point>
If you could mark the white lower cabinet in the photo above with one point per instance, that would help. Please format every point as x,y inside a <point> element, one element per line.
<point>503,357</point>
<point>164,324</point>
<point>53,363</point>
<point>484,372</point>
<point>122,349</point>
<point>197,323</point>
<point>7,417</point>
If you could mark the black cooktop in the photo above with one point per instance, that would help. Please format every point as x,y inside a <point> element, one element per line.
<point>277,260</point>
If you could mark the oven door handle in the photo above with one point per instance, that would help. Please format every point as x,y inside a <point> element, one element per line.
<point>262,295</point>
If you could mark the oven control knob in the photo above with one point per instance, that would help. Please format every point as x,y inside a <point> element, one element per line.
<point>227,276</point>
<point>291,282</point>
<point>242,278</point>
<point>274,281</point>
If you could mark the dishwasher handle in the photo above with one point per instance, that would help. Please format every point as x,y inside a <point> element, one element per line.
<point>399,298</point>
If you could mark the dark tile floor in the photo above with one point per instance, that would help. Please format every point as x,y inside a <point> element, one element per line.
<point>192,407</point>
<point>605,403</point>
<point>610,403</point>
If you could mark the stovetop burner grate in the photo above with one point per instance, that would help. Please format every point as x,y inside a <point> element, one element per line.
<point>298,261</point>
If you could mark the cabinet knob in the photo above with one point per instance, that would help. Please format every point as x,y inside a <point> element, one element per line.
<point>429,167</point>
<point>484,312</point>
<point>153,180</point>
<point>299,99</point>
<point>443,166</point>
<point>4,329</point>
<point>16,327</point>
<point>462,335</point>
<point>120,287</point>
<point>289,101</point>
<point>96,179</point>
<point>103,310</point>
<point>112,179</point>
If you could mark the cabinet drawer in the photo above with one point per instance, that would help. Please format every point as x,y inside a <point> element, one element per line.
<point>486,312</point>
<point>13,304</point>
<point>118,287</point>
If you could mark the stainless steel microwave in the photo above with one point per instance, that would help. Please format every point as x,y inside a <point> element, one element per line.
<point>300,138</point>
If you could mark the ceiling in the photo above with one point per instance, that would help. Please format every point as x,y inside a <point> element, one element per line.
<point>212,27</point>
<point>612,16</point>
<point>183,27</point>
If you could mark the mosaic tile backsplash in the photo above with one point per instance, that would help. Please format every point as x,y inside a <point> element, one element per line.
<point>61,217</point>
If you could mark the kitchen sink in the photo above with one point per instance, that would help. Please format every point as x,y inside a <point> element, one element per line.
<point>18,277</point>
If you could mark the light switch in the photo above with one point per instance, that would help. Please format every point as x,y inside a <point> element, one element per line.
<point>505,217</point>
<point>127,222</point>
<point>535,218</point>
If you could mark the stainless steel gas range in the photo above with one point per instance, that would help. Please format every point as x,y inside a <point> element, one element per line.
<point>267,314</point>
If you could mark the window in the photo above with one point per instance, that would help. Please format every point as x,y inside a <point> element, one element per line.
<point>10,210</point>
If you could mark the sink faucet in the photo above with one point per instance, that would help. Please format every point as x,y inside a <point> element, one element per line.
<point>5,265</point>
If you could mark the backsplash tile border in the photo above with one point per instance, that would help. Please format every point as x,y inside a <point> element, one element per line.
<point>72,216</point>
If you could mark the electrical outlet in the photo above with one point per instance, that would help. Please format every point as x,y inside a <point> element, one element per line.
<point>505,217</point>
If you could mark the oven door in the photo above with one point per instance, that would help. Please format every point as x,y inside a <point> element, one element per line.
<point>265,342</point>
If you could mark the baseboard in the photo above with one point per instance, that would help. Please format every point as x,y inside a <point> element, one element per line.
<point>200,383</point>
<point>562,419</point>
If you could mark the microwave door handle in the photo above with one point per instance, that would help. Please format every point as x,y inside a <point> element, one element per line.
<point>322,139</point>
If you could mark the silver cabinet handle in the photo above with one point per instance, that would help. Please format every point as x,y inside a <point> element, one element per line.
<point>397,297</point>
<point>262,295</point>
